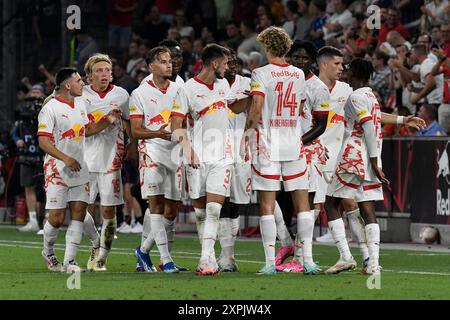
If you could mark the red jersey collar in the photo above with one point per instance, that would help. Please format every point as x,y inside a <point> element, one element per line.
<point>72,104</point>
<point>280,64</point>
<point>103,93</point>
<point>332,86</point>
<point>163,90</point>
<point>210,86</point>
<point>309,76</point>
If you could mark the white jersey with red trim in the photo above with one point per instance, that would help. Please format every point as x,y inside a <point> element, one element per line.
<point>279,133</point>
<point>317,101</point>
<point>207,105</point>
<point>237,121</point>
<point>153,106</point>
<point>333,136</point>
<point>105,150</point>
<point>178,80</point>
<point>361,106</point>
<point>65,124</point>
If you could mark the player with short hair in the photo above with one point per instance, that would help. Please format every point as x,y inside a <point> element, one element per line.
<point>204,98</point>
<point>358,173</point>
<point>159,163</point>
<point>278,95</point>
<point>303,55</point>
<point>63,125</point>
<point>104,155</point>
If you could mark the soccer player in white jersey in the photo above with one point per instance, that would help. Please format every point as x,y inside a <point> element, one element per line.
<point>177,61</point>
<point>278,95</point>
<point>104,155</point>
<point>204,97</point>
<point>159,161</point>
<point>240,187</point>
<point>169,216</point>
<point>330,69</point>
<point>358,173</point>
<point>63,125</point>
<point>303,55</point>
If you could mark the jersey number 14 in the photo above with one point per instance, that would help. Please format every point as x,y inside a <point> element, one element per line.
<point>286,99</point>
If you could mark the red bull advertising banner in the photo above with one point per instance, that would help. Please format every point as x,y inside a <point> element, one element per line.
<point>419,171</point>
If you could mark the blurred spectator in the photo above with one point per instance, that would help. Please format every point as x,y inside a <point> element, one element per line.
<point>410,10</point>
<point>46,19</point>
<point>244,10</point>
<point>249,44</point>
<point>291,14</point>
<point>445,32</point>
<point>393,39</point>
<point>224,12</point>
<point>141,74</point>
<point>255,60</point>
<point>264,21</point>
<point>207,35</point>
<point>442,66</point>
<point>188,57</point>
<point>179,25</point>
<point>428,113</point>
<point>358,39</point>
<point>436,35</point>
<point>341,19</point>
<point>168,8</point>
<point>432,86</point>
<point>120,19</point>
<point>317,10</point>
<point>380,78</point>
<point>121,78</point>
<point>136,58</point>
<point>392,23</point>
<point>304,21</point>
<point>395,130</point>
<point>434,10</point>
<point>234,37</point>
<point>197,50</point>
<point>155,28</point>
<point>85,48</point>
<point>201,13</point>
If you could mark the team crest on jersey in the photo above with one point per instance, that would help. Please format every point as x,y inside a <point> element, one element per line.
<point>88,101</point>
<point>341,100</point>
<point>221,92</point>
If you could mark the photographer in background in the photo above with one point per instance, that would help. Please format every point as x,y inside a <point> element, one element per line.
<point>30,157</point>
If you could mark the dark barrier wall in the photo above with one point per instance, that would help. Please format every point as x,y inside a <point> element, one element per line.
<point>419,171</point>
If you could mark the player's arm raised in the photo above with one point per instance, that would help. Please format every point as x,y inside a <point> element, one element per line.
<point>410,121</point>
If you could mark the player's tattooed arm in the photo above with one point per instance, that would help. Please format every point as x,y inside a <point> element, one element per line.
<point>254,115</point>
<point>410,121</point>
<point>179,136</point>
<point>320,125</point>
<point>46,144</point>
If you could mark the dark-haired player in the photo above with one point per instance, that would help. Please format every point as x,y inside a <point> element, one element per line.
<point>358,174</point>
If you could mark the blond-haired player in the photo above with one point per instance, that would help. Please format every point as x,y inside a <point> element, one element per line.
<point>278,91</point>
<point>104,154</point>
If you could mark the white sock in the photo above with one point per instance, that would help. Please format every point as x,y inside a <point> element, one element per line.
<point>90,230</point>
<point>357,224</point>
<point>282,231</point>
<point>298,256</point>
<point>32,216</point>
<point>316,213</point>
<point>210,231</point>
<point>226,238</point>
<point>269,237</point>
<point>146,227</point>
<point>234,232</point>
<point>73,238</point>
<point>373,242</point>
<point>106,237</point>
<point>200,216</point>
<point>159,235</point>
<point>337,230</point>
<point>169,225</point>
<point>305,226</point>
<point>50,236</point>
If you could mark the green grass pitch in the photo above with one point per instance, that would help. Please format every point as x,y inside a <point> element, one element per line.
<point>406,274</point>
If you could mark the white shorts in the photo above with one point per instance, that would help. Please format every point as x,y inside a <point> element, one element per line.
<point>314,175</point>
<point>184,186</point>
<point>161,179</point>
<point>211,177</point>
<point>108,185</point>
<point>241,183</point>
<point>267,174</point>
<point>352,186</point>
<point>322,186</point>
<point>59,196</point>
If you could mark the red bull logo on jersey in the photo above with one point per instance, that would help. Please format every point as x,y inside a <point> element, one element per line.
<point>212,108</point>
<point>162,118</point>
<point>76,133</point>
<point>334,118</point>
<point>96,116</point>
<point>285,74</point>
